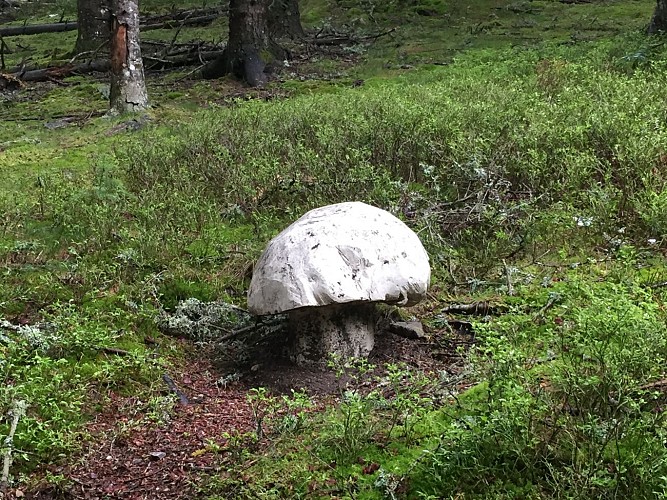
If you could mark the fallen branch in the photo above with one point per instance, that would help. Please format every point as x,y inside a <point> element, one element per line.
<point>378,35</point>
<point>475,308</point>
<point>461,327</point>
<point>17,411</point>
<point>69,118</point>
<point>3,48</point>
<point>336,40</point>
<point>103,65</point>
<point>193,21</point>
<point>181,60</point>
<point>173,388</point>
<point>554,298</point>
<point>342,39</point>
<point>508,275</point>
<point>250,329</point>
<point>659,384</point>
<point>115,350</point>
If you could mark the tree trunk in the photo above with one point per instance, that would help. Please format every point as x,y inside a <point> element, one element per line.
<point>659,19</point>
<point>94,25</point>
<point>285,19</point>
<point>128,87</point>
<point>249,46</point>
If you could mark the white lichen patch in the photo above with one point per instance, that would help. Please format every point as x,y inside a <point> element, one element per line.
<point>202,321</point>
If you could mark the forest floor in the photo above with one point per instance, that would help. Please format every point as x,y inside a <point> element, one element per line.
<point>87,244</point>
<point>168,452</point>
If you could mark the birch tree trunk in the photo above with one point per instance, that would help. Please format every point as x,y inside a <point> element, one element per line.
<point>94,25</point>
<point>128,87</point>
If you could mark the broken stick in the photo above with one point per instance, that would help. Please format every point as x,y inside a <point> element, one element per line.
<point>17,411</point>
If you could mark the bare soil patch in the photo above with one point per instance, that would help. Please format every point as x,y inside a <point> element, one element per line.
<point>135,453</point>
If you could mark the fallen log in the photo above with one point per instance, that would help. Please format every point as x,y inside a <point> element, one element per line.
<point>103,65</point>
<point>55,72</point>
<point>171,24</point>
<point>35,29</point>
<point>344,39</point>
<point>184,14</point>
<point>148,25</point>
<point>181,60</point>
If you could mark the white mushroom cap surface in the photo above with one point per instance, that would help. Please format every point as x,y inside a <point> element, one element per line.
<point>348,252</point>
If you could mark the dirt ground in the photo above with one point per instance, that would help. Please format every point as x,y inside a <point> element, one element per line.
<point>165,453</point>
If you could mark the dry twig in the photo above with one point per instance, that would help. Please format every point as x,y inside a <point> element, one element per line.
<point>17,411</point>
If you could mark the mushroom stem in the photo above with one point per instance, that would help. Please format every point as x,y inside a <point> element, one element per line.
<point>347,330</point>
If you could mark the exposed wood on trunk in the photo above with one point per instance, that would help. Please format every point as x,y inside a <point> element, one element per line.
<point>119,44</point>
<point>10,83</point>
<point>128,86</point>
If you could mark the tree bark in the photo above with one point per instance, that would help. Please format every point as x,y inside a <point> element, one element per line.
<point>94,25</point>
<point>249,47</point>
<point>128,86</point>
<point>284,19</point>
<point>659,20</point>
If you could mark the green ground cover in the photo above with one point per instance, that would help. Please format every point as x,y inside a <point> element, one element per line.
<point>537,151</point>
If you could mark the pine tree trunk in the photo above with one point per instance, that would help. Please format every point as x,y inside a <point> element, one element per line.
<point>285,19</point>
<point>659,19</point>
<point>94,25</point>
<point>249,44</point>
<point>128,87</point>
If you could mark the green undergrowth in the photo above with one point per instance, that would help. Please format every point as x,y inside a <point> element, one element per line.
<point>566,406</point>
<point>535,176</point>
<point>560,150</point>
<point>65,364</point>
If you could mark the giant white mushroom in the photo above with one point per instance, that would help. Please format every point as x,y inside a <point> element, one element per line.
<point>328,270</point>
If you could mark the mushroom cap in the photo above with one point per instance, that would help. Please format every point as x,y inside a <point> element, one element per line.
<point>348,252</point>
